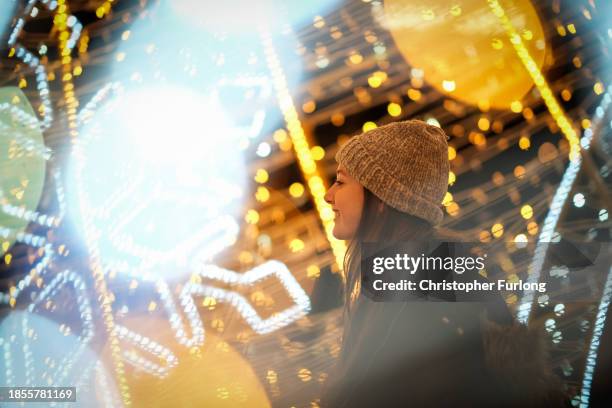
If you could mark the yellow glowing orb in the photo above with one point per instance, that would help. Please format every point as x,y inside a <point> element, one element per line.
<point>22,164</point>
<point>212,375</point>
<point>463,49</point>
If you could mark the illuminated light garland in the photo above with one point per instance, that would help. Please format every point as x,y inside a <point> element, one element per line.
<point>63,20</point>
<point>259,325</point>
<point>30,122</point>
<point>32,61</point>
<point>33,240</point>
<point>100,283</point>
<point>591,359</point>
<point>28,215</point>
<point>531,66</point>
<point>176,322</point>
<point>174,317</point>
<point>43,220</point>
<point>109,395</point>
<point>104,9</point>
<point>85,313</point>
<point>61,199</point>
<point>218,233</point>
<point>89,109</point>
<point>552,217</point>
<point>86,373</point>
<point>303,152</point>
<point>142,364</point>
<point>224,232</point>
<point>38,270</point>
<point>229,231</point>
<point>104,296</point>
<point>8,362</point>
<point>149,346</point>
<point>242,305</point>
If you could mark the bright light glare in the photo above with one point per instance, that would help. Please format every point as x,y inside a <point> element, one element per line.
<point>171,126</point>
<point>245,15</point>
<point>165,48</point>
<point>160,178</point>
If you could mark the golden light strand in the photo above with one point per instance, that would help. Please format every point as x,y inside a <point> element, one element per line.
<point>301,146</point>
<point>60,21</point>
<point>104,9</point>
<point>529,63</point>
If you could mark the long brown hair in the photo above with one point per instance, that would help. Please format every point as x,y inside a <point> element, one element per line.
<point>380,224</point>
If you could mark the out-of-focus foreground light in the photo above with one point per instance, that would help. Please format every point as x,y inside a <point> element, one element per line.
<point>23,157</point>
<point>462,50</point>
<point>169,46</point>
<point>158,174</point>
<point>38,351</point>
<point>243,15</point>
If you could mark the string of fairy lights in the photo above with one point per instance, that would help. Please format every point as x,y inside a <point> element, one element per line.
<point>19,51</point>
<point>600,318</point>
<point>69,29</point>
<point>63,20</point>
<point>302,148</point>
<point>105,299</point>
<point>143,353</point>
<point>538,79</point>
<point>556,206</point>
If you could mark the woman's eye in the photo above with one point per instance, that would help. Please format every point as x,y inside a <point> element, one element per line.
<point>336,181</point>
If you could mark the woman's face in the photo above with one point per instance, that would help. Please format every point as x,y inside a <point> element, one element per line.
<point>346,197</point>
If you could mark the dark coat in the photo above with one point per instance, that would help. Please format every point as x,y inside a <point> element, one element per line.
<point>443,354</point>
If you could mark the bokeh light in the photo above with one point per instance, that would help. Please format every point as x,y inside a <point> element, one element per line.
<point>175,181</point>
<point>472,59</point>
<point>23,157</point>
<point>195,142</point>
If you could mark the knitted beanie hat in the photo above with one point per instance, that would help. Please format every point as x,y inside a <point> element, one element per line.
<point>405,164</point>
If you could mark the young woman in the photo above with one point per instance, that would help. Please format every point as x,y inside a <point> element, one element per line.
<point>389,187</point>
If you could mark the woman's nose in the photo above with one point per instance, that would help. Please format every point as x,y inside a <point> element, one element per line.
<point>328,196</point>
